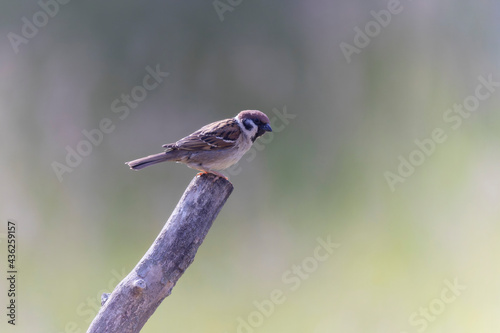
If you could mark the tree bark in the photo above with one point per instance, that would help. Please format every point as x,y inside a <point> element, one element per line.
<point>136,298</point>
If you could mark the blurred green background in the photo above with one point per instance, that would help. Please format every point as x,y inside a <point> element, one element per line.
<point>321,175</point>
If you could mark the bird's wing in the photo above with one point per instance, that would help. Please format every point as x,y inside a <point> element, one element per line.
<point>218,135</point>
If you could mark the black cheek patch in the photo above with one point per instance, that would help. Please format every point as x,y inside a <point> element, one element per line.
<point>248,124</point>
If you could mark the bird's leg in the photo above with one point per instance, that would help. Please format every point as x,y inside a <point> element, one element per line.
<point>212,172</point>
<point>219,175</point>
<point>206,170</point>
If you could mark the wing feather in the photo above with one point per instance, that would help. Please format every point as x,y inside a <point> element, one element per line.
<point>218,135</point>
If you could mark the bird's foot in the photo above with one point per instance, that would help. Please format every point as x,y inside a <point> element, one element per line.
<point>216,174</point>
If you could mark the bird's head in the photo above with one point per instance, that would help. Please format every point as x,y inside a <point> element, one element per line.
<point>255,123</point>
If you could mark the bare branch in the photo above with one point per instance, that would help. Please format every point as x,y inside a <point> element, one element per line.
<point>136,298</point>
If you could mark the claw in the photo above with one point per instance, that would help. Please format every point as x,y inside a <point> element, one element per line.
<point>219,175</point>
<point>216,174</point>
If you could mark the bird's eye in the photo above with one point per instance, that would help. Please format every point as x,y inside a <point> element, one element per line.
<point>257,122</point>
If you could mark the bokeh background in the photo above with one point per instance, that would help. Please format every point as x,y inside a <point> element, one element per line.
<point>320,175</point>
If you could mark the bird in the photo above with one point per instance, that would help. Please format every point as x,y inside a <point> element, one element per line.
<point>215,146</point>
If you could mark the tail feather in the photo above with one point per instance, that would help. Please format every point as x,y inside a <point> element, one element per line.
<point>149,160</point>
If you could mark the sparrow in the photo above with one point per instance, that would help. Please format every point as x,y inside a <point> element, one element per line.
<point>213,147</point>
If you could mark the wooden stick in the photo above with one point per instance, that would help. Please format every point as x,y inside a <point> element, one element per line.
<point>136,298</point>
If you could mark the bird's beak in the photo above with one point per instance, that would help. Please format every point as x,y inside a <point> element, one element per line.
<point>267,128</point>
